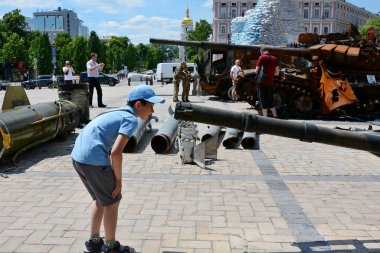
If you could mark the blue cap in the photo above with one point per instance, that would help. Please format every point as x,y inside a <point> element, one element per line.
<point>144,92</point>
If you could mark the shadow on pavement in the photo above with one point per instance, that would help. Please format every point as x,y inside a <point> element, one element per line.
<point>337,246</point>
<point>56,148</point>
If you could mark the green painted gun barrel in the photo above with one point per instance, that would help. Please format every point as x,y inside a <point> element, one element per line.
<point>24,127</point>
<point>303,131</point>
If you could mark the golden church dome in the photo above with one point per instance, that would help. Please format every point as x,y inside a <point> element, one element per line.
<point>187,20</point>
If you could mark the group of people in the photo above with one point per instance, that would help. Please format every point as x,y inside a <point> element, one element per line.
<point>269,65</point>
<point>183,74</point>
<point>93,69</point>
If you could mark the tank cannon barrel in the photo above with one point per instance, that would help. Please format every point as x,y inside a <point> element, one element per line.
<point>297,130</point>
<point>302,52</point>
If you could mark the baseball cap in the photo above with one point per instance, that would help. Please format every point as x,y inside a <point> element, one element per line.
<point>144,92</point>
<point>67,62</point>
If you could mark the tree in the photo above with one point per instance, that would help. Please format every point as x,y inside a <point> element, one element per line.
<point>154,56</point>
<point>141,51</point>
<point>95,46</point>
<point>44,56</point>
<point>131,57</point>
<point>61,42</point>
<point>374,22</point>
<point>79,55</point>
<point>15,48</point>
<point>14,22</point>
<point>116,52</point>
<point>201,32</point>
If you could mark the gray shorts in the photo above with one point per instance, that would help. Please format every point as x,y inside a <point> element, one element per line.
<point>99,181</point>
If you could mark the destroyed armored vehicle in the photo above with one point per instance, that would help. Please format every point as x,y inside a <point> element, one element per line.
<point>340,76</point>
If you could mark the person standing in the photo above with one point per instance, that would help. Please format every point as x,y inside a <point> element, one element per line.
<point>186,85</point>
<point>68,72</point>
<point>234,77</point>
<point>97,157</point>
<point>179,75</point>
<point>93,69</point>
<point>270,67</point>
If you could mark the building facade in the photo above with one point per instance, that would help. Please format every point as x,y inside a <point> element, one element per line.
<point>319,16</point>
<point>186,26</point>
<point>58,21</point>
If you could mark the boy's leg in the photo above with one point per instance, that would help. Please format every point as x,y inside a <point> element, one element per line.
<point>110,220</point>
<point>96,217</point>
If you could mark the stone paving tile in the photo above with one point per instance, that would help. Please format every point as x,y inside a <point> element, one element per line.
<point>168,207</point>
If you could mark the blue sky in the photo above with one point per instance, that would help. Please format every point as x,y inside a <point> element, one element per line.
<point>137,19</point>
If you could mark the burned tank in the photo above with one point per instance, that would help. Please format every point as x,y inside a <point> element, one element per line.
<point>338,76</point>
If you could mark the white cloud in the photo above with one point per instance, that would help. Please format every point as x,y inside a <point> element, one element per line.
<point>207,4</point>
<point>22,4</point>
<point>108,9</point>
<point>141,28</point>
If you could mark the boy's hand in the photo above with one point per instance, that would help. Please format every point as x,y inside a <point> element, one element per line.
<point>117,191</point>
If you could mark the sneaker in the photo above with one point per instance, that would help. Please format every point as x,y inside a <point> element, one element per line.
<point>91,106</point>
<point>118,248</point>
<point>102,105</point>
<point>175,100</point>
<point>94,247</point>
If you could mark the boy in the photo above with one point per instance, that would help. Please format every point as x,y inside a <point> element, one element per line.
<point>97,157</point>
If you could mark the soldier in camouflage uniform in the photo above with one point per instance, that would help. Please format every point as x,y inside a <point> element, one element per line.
<point>186,85</point>
<point>179,75</point>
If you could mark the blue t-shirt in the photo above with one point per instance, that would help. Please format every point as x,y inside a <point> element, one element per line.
<point>94,143</point>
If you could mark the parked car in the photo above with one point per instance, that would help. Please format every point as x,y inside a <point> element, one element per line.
<point>134,76</point>
<point>40,81</point>
<point>103,79</point>
<point>4,85</point>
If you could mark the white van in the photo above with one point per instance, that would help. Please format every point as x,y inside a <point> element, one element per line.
<point>166,70</point>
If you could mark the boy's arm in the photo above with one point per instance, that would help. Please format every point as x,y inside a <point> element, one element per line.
<point>116,160</point>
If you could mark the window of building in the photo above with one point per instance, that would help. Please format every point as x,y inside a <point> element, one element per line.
<point>316,4</point>
<point>306,4</point>
<point>233,13</point>
<point>315,30</point>
<point>242,13</point>
<point>223,29</point>
<point>223,15</point>
<point>316,13</point>
<point>305,29</point>
<point>325,30</point>
<point>326,13</point>
<point>234,4</point>
<point>244,4</point>
<point>305,13</point>
<point>224,4</point>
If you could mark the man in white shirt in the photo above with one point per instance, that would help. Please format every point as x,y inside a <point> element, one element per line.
<point>93,69</point>
<point>68,72</point>
<point>234,77</point>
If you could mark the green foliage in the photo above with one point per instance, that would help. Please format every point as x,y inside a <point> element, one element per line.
<point>15,41</point>
<point>44,56</point>
<point>14,47</point>
<point>374,22</point>
<point>131,57</point>
<point>62,54</point>
<point>116,53</point>
<point>154,56</point>
<point>201,32</point>
<point>95,46</point>
<point>78,50</point>
<point>14,22</point>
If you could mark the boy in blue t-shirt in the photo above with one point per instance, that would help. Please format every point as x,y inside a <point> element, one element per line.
<point>97,157</point>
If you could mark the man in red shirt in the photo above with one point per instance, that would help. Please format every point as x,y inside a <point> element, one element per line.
<point>266,87</point>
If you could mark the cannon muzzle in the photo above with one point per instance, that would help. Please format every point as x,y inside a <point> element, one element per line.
<point>303,131</point>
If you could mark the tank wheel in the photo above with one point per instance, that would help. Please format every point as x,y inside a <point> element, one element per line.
<point>302,105</point>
